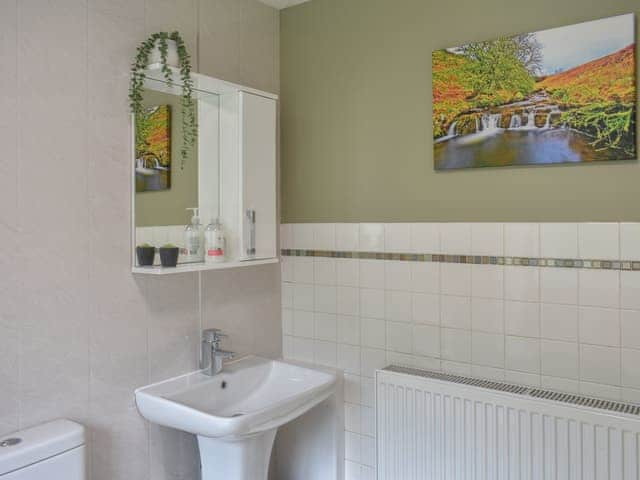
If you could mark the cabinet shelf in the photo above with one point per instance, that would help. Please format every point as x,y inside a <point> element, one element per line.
<point>201,267</point>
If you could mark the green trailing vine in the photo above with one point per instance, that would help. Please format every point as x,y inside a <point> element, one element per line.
<point>138,76</point>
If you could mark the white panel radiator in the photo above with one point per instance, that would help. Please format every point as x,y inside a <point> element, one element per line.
<point>433,426</point>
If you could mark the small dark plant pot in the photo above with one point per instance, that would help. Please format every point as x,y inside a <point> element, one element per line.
<point>145,255</point>
<point>169,256</point>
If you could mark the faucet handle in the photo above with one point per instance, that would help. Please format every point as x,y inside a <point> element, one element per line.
<point>212,335</point>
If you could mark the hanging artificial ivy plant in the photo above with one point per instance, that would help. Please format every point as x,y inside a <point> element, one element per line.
<point>138,68</point>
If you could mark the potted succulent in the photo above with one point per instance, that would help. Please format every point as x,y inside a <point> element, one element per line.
<point>146,254</point>
<point>169,255</point>
<point>166,49</point>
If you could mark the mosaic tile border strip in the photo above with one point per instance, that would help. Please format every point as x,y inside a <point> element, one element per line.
<point>624,265</point>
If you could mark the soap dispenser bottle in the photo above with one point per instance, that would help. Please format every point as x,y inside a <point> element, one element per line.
<point>193,238</point>
<point>215,242</point>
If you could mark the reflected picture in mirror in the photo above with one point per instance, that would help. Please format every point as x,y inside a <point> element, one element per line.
<point>153,149</point>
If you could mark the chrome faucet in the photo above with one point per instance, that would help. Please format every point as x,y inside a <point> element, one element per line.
<point>212,357</point>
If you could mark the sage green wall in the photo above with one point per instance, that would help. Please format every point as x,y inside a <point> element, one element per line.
<point>356,118</point>
<point>168,207</point>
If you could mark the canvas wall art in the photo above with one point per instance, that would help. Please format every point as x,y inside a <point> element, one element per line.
<point>153,149</point>
<point>564,95</point>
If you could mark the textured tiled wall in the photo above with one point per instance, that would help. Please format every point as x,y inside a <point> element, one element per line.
<point>78,332</point>
<point>571,329</point>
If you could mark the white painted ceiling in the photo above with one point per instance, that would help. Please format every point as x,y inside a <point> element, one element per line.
<point>280,4</point>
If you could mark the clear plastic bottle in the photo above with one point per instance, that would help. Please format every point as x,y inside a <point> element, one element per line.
<point>215,242</point>
<point>194,251</point>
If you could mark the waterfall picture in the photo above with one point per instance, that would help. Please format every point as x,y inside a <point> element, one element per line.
<point>153,149</point>
<point>564,95</point>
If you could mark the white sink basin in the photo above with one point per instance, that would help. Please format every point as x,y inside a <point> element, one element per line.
<point>236,413</point>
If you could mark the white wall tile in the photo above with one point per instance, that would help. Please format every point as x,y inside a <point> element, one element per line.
<point>367,391</point>
<point>599,241</point>
<point>600,390</point>
<point>561,384</point>
<point>352,417</point>
<point>599,288</point>
<point>397,275</point>
<point>523,354</point>
<point>397,237</point>
<point>559,285</point>
<point>371,237</point>
<point>559,322</point>
<point>560,359</point>
<point>398,306</point>
<point>425,238</point>
<point>600,364</point>
<point>455,279</point>
<point>325,326</point>
<point>522,283</point>
<point>399,337</point>
<point>325,298</point>
<point>426,340</point>
<point>352,446</point>
<point>372,274</point>
<point>600,326</point>
<point>286,269</point>
<point>456,368</point>
<point>303,324</point>
<point>487,281</point>
<point>487,315</point>
<point>347,237</point>
<point>373,333</point>
<point>487,349</point>
<point>630,325</point>
<point>521,240</point>
<point>372,303</point>
<point>630,370</point>
<point>349,358</point>
<point>455,312</point>
<point>372,360</point>
<point>302,269</point>
<point>487,239</point>
<point>348,300</point>
<point>368,422</point>
<point>352,388</point>
<point>630,289</point>
<point>425,277</point>
<point>488,373</point>
<point>522,319</point>
<point>287,321</point>
<point>630,241</point>
<point>347,272</point>
<point>286,236</point>
<point>348,329</point>
<point>303,349</point>
<point>287,295</point>
<point>325,353</point>
<point>303,236</point>
<point>368,456</point>
<point>559,240</point>
<point>303,297</point>
<point>426,308</point>
<point>455,238</point>
<point>455,345</point>
<point>324,237</point>
<point>523,378</point>
<point>324,271</point>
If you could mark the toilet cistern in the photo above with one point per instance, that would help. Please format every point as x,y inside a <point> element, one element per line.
<point>212,357</point>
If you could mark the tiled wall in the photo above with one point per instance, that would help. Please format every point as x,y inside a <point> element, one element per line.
<point>79,332</point>
<point>571,329</point>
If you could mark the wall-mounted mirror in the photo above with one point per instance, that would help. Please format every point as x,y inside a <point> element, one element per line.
<point>228,174</point>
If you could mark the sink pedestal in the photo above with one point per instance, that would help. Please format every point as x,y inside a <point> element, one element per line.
<point>243,458</point>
